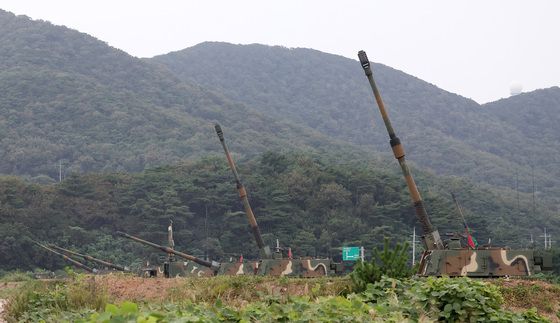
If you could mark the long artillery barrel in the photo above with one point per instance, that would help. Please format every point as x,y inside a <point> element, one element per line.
<point>214,265</point>
<point>431,238</point>
<point>89,258</point>
<point>265,250</point>
<point>70,260</point>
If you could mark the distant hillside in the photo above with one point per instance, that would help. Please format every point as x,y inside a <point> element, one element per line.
<point>536,115</point>
<point>441,131</point>
<point>65,96</point>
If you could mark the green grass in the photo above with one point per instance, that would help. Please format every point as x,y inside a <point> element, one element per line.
<point>16,276</point>
<point>238,291</point>
<point>269,299</point>
<point>36,300</point>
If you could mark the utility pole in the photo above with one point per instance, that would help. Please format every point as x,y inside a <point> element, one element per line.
<point>413,246</point>
<point>206,231</point>
<point>533,181</point>
<point>547,241</point>
<point>414,242</point>
<point>362,254</point>
<point>60,171</point>
<point>517,191</point>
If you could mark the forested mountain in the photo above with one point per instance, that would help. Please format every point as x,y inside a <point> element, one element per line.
<point>441,131</point>
<point>536,115</point>
<point>65,96</point>
<point>68,97</point>
<point>309,204</point>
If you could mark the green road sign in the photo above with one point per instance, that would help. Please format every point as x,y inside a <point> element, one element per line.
<point>351,253</point>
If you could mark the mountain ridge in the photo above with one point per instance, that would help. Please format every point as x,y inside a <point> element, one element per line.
<point>337,101</point>
<point>114,112</point>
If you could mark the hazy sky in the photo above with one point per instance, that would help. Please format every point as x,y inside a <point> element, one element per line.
<point>475,48</point>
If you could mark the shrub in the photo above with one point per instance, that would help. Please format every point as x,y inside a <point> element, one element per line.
<point>390,262</point>
<point>16,276</point>
<point>444,299</point>
<point>38,300</point>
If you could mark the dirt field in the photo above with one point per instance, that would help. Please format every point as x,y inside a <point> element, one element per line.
<point>234,292</point>
<point>520,295</point>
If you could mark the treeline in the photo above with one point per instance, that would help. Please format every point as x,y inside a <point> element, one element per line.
<point>311,205</point>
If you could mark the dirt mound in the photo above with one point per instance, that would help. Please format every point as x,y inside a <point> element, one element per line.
<point>522,294</point>
<point>122,288</point>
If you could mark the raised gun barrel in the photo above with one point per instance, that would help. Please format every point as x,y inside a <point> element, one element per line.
<point>70,260</point>
<point>265,250</point>
<point>214,265</point>
<point>431,238</point>
<point>89,258</point>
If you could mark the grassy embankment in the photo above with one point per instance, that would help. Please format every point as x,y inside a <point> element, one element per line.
<point>235,299</point>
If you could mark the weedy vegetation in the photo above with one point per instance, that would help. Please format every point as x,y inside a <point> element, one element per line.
<point>390,262</point>
<point>382,290</point>
<point>38,300</point>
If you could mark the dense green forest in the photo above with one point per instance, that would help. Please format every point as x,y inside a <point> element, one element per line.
<point>309,204</point>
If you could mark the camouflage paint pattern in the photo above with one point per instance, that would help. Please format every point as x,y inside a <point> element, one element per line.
<point>305,267</point>
<point>266,267</point>
<point>483,262</point>
<point>186,269</point>
<point>238,268</point>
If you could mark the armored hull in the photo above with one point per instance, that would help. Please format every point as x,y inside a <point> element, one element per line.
<point>488,262</point>
<point>186,269</point>
<point>296,267</point>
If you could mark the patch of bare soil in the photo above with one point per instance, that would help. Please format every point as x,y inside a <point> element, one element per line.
<point>520,295</point>
<point>121,288</point>
<point>230,290</point>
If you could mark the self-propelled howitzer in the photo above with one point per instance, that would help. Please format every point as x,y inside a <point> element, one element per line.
<point>275,264</point>
<point>453,259</point>
<point>209,264</point>
<point>265,250</point>
<point>90,258</point>
<point>68,259</point>
<point>431,238</point>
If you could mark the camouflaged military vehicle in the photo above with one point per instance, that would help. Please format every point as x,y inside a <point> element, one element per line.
<point>451,258</point>
<point>189,266</point>
<point>70,260</point>
<point>89,258</point>
<point>274,263</point>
